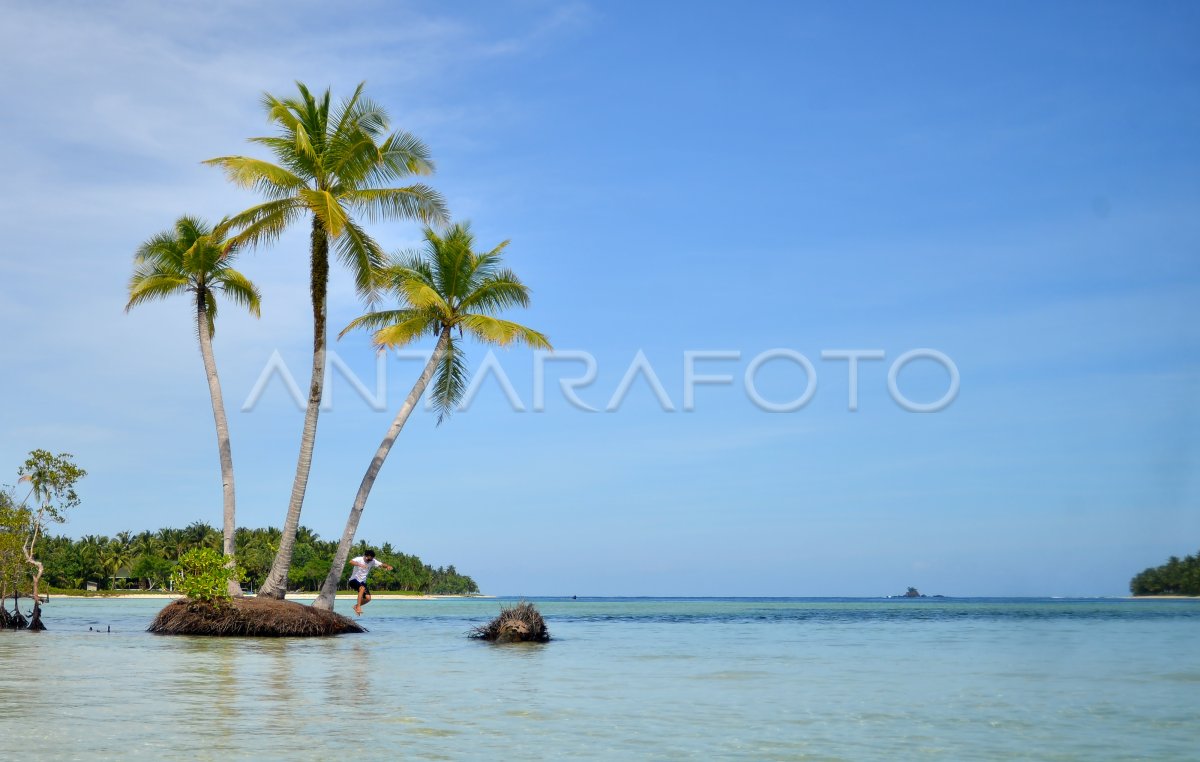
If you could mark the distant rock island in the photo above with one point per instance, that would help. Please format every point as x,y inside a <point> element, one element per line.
<point>912,592</point>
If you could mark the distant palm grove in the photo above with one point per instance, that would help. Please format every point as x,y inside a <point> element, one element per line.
<point>1175,577</point>
<point>144,561</point>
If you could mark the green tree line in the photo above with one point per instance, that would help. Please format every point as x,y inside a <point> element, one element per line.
<point>1175,577</point>
<point>145,560</point>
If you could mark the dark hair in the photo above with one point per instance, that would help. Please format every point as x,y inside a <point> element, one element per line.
<point>370,553</point>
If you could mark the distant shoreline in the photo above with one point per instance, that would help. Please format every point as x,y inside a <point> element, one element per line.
<point>1162,597</point>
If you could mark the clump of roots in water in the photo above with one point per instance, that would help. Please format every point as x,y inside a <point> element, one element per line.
<point>255,617</point>
<point>516,624</point>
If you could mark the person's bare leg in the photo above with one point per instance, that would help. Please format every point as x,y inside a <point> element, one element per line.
<point>358,606</point>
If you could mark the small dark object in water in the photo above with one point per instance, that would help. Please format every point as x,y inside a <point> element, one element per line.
<point>255,617</point>
<point>35,619</point>
<point>516,624</point>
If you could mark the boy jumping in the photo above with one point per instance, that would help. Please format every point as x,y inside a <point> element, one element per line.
<point>358,578</point>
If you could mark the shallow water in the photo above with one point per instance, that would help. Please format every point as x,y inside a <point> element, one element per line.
<point>756,679</point>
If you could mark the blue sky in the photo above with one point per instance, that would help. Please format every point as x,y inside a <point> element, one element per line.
<point>1013,185</point>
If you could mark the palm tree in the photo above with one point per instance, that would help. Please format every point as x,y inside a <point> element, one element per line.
<point>443,288</point>
<point>194,259</point>
<point>332,164</point>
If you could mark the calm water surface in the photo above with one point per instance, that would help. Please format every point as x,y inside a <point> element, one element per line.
<point>826,679</point>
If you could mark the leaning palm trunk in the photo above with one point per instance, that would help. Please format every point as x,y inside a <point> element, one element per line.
<point>275,585</point>
<point>223,446</point>
<point>329,589</point>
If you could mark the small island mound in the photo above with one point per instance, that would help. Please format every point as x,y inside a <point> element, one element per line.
<point>252,617</point>
<point>516,624</point>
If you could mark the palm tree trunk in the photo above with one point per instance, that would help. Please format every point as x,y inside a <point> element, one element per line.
<point>329,588</point>
<point>223,446</point>
<point>275,585</point>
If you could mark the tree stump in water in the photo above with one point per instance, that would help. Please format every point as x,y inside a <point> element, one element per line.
<point>516,624</point>
<point>35,619</point>
<point>16,620</point>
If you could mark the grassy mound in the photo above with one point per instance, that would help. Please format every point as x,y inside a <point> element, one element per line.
<point>516,624</point>
<point>253,617</point>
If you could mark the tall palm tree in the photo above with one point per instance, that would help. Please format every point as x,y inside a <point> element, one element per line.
<point>443,288</point>
<point>194,259</point>
<point>332,164</point>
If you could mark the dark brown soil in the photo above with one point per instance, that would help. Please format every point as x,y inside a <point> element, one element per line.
<point>252,617</point>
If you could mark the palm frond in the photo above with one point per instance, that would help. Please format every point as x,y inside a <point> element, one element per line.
<point>163,250</point>
<point>190,229</point>
<point>153,285</point>
<point>377,319</point>
<point>342,117</point>
<point>202,257</point>
<point>359,113</point>
<point>240,290</point>
<point>349,159</point>
<point>492,330</point>
<point>402,154</point>
<point>271,180</point>
<point>281,111</point>
<point>450,254</point>
<point>263,223</point>
<point>422,296</point>
<point>414,202</point>
<point>326,208</point>
<point>406,331</point>
<point>407,264</point>
<point>497,293</point>
<point>362,255</point>
<point>284,149</point>
<point>449,381</point>
<point>210,309</point>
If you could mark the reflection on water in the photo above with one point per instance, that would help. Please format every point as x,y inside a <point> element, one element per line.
<point>624,678</point>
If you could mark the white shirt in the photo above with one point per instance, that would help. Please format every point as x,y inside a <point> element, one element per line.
<point>360,572</point>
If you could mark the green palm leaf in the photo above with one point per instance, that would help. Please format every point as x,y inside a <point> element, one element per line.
<point>449,381</point>
<point>268,179</point>
<point>492,330</point>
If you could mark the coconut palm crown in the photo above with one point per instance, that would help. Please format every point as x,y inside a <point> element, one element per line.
<point>447,288</point>
<point>191,258</point>
<point>331,163</point>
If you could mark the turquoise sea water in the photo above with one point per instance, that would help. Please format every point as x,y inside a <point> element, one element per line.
<point>853,679</point>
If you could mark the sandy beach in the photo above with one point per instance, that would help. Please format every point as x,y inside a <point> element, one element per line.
<point>1162,597</point>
